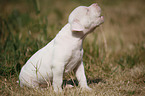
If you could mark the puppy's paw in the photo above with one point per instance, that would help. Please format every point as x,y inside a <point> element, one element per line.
<point>57,90</point>
<point>69,86</point>
<point>87,88</point>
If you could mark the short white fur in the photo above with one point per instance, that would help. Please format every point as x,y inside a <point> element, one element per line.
<point>64,53</point>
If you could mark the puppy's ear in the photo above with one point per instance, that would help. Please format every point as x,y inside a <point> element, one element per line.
<point>76,26</point>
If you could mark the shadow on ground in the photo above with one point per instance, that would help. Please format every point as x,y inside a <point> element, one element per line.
<point>75,82</point>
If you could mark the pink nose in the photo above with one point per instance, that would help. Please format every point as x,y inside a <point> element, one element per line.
<point>95,4</point>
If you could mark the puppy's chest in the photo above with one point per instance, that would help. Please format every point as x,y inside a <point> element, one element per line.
<point>74,60</point>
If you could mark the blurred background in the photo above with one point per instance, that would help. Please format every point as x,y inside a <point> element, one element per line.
<point>115,46</point>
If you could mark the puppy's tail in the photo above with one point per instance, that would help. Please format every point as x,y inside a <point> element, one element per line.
<point>17,81</point>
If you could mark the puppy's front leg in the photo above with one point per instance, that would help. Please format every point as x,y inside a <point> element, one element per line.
<point>57,78</point>
<point>80,74</point>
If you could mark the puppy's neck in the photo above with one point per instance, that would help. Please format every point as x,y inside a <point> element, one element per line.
<point>67,36</point>
<point>66,31</point>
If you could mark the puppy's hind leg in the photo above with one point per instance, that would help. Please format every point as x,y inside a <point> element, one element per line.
<point>31,83</point>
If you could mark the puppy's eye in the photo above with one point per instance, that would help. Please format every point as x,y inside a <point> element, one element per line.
<point>87,11</point>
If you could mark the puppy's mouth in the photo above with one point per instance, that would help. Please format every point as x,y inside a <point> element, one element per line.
<point>101,19</point>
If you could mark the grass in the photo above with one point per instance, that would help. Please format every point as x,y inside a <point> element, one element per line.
<point>113,68</point>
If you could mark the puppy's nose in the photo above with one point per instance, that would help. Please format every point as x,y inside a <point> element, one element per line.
<point>95,4</point>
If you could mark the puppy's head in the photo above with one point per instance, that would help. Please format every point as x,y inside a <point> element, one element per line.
<point>85,19</point>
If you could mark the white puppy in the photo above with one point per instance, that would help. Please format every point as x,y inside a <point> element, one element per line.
<point>64,53</point>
